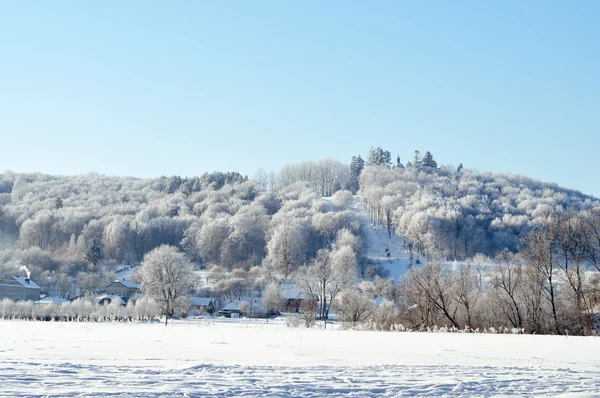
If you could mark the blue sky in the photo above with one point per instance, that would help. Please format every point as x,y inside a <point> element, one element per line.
<point>149,88</point>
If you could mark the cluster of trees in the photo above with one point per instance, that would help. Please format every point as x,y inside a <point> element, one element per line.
<point>454,213</point>
<point>325,177</point>
<point>551,286</point>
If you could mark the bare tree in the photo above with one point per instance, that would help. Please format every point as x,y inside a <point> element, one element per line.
<point>540,255</point>
<point>437,285</point>
<point>327,275</point>
<point>507,283</point>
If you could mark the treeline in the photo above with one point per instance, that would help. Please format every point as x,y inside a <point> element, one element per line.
<point>80,310</point>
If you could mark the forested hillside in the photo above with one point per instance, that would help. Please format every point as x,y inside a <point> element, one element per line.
<point>456,213</point>
<point>73,231</point>
<point>51,224</point>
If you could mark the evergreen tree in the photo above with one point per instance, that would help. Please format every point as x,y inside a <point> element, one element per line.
<point>210,308</point>
<point>58,203</point>
<point>459,168</point>
<point>417,159</point>
<point>428,160</point>
<point>94,253</point>
<point>174,184</point>
<point>379,157</point>
<point>356,166</point>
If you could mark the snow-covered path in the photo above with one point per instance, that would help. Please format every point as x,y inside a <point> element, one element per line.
<point>378,240</point>
<point>196,358</point>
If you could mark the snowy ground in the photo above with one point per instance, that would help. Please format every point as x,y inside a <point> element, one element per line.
<point>199,358</point>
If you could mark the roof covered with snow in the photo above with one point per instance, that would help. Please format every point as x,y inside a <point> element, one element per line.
<point>51,300</point>
<point>127,283</point>
<point>289,291</point>
<point>255,305</point>
<point>199,301</point>
<point>26,282</point>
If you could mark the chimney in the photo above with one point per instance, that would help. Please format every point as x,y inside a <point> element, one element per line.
<point>27,280</point>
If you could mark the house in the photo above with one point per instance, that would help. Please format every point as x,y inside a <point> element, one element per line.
<point>19,288</point>
<point>199,305</point>
<point>249,307</point>
<point>122,287</point>
<point>293,298</point>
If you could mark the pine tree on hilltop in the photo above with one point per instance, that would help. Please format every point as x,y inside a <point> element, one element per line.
<point>356,166</point>
<point>428,161</point>
<point>417,159</point>
<point>94,253</point>
<point>379,157</point>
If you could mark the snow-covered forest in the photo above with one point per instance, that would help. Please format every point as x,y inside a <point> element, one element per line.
<point>306,223</point>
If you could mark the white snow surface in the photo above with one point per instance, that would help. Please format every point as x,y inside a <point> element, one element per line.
<point>255,358</point>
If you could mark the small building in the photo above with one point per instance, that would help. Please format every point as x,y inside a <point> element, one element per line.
<point>199,305</point>
<point>122,287</point>
<point>19,288</point>
<point>293,298</point>
<point>249,307</point>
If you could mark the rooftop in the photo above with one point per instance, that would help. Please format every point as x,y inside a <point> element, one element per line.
<point>127,283</point>
<point>26,282</point>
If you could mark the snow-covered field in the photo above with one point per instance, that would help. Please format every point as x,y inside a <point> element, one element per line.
<point>200,358</point>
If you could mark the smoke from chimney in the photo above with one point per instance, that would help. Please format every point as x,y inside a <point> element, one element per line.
<point>24,268</point>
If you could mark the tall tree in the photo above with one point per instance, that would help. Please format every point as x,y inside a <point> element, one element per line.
<point>417,159</point>
<point>428,160</point>
<point>94,253</point>
<point>356,167</point>
<point>167,278</point>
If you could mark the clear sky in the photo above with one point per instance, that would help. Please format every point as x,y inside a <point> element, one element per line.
<point>149,88</point>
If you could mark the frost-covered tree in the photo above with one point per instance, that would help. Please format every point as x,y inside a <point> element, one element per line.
<point>416,159</point>
<point>167,278</point>
<point>354,306</point>
<point>379,157</point>
<point>326,276</point>
<point>288,249</point>
<point>272,298</point>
